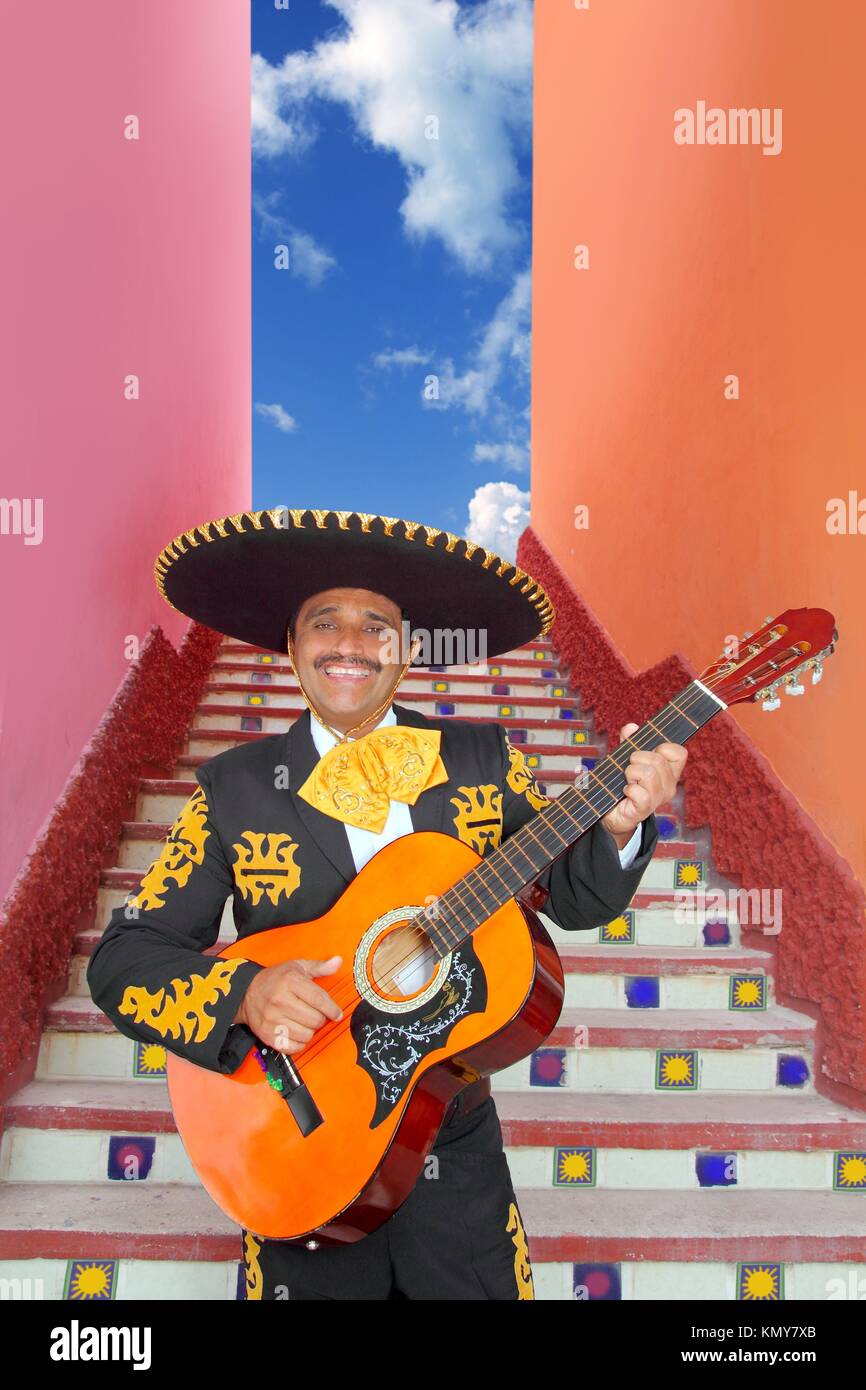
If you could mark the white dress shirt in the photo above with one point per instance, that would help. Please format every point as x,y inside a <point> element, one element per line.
<point>365,843</point>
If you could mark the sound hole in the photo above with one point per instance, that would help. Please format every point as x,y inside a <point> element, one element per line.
<point>403,961</point>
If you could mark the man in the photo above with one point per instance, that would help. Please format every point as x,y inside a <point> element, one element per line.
<point>284,823</point>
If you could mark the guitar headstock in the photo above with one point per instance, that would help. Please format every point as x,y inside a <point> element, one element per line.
<point>774,657</point>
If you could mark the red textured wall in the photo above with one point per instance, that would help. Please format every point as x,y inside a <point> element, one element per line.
<point>761,835</point>
<point>143,729</point>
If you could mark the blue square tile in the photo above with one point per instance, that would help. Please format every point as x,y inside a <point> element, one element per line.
<point>642,991</point>
<point>716,1170</point>
<point>791,1070</point>
<point>130,1157</point>
<point>547,1067</point>
<point>716,934</point>
<point>596,1283</point>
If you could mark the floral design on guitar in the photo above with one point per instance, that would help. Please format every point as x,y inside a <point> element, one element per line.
<point>390,1052</point>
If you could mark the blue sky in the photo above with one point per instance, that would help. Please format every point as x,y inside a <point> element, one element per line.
<point>392,157</point>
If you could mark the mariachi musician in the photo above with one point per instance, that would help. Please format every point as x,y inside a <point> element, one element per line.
<point>282,824</point>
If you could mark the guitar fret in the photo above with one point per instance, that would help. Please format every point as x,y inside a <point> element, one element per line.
<point>497,878</point>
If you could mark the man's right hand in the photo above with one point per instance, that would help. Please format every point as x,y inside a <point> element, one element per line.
<point>283,1006</point>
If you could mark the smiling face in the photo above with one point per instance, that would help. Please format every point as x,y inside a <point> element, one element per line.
<point>339,641</point>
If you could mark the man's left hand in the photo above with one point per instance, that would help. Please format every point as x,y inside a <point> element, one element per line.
<point>652,779</point>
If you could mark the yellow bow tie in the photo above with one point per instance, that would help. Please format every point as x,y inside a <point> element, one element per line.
<point>355,781</point>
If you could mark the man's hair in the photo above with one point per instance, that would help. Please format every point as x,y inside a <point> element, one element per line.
<point>290,626</point>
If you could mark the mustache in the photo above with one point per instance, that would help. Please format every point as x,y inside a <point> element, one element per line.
<point>347,661</point>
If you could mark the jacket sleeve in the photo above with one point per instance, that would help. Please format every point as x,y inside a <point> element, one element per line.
<point>149,973</point>
<point>587,886</point>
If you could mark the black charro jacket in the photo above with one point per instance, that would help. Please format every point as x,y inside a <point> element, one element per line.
<point>246,834</point>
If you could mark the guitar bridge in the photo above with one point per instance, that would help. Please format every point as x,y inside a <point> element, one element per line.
<point>283,1076</point>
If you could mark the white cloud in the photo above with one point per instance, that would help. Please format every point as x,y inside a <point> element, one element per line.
<point>504,342</point>
<point>307,259</point>
<point>510,454</point>
<point>275,129</point>
<point>276,415</point>
<point>400,357</point>
<point>399,65</point>
<point>498,513</point>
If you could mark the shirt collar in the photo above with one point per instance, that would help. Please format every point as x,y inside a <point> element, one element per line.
<point>324,740</point>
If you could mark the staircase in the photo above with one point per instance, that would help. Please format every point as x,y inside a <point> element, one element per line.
<point>667,1142</point>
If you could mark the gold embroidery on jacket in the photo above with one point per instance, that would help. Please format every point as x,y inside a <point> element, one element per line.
<point>270,870</point>
<point>478,818</point>
<point>522,1267</point>
<point>252,1267</point>
<point>520,779</point>
<point>183,848</point>
<point>185,1011</point>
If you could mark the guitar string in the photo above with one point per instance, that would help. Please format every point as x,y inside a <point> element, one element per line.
<point>326,1033</point>
<point>567,820</point>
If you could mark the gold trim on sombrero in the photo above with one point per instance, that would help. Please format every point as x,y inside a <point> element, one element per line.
<point>279,516</point>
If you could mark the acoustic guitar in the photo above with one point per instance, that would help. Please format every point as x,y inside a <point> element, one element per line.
<point>447,976</point>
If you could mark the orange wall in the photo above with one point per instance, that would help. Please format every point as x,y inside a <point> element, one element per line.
<point>707,514</point>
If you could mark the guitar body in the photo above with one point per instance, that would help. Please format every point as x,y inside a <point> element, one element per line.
<point>381,1078</point>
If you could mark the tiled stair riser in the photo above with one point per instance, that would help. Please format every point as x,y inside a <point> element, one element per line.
<point>83,1156</point>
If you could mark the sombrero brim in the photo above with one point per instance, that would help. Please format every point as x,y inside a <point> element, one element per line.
<point>244,575</point>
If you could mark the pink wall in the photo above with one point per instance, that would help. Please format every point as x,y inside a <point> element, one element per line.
<point>117,257</point>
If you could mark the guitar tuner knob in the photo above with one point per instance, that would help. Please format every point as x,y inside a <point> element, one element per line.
<point>818,673</point>
<point>311,1244</point>
<point>794,687</point>
<point>772,702</point>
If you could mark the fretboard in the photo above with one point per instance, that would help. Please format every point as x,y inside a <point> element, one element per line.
<point>531,849</point>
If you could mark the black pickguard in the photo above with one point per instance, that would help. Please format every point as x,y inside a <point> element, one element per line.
<point>390,1046</point>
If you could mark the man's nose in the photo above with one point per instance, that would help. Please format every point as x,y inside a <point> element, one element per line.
<point>350,643</point>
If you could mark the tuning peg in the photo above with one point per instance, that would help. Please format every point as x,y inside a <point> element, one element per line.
<point>768,619</point>
<point>818,672</point>
<point>793,686</point>
<point>771,704</point>
<point>746,634</point>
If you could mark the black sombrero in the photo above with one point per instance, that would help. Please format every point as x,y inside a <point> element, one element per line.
<point>244,576</point>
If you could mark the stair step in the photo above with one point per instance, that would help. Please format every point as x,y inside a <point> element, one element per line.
<point>605,1028</point>
<point>694,1226</point>
<point>129,880</point>
<point>475,704</point>
<point>126,1220</point>
<point>227,675</point>
<point>661,960</point>
<point>202,729</point>
<point>801,1122</point>
<point>678,1028</point>
<point>113,1220</point>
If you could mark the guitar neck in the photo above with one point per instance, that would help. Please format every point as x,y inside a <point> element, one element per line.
<point>531,849</point>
